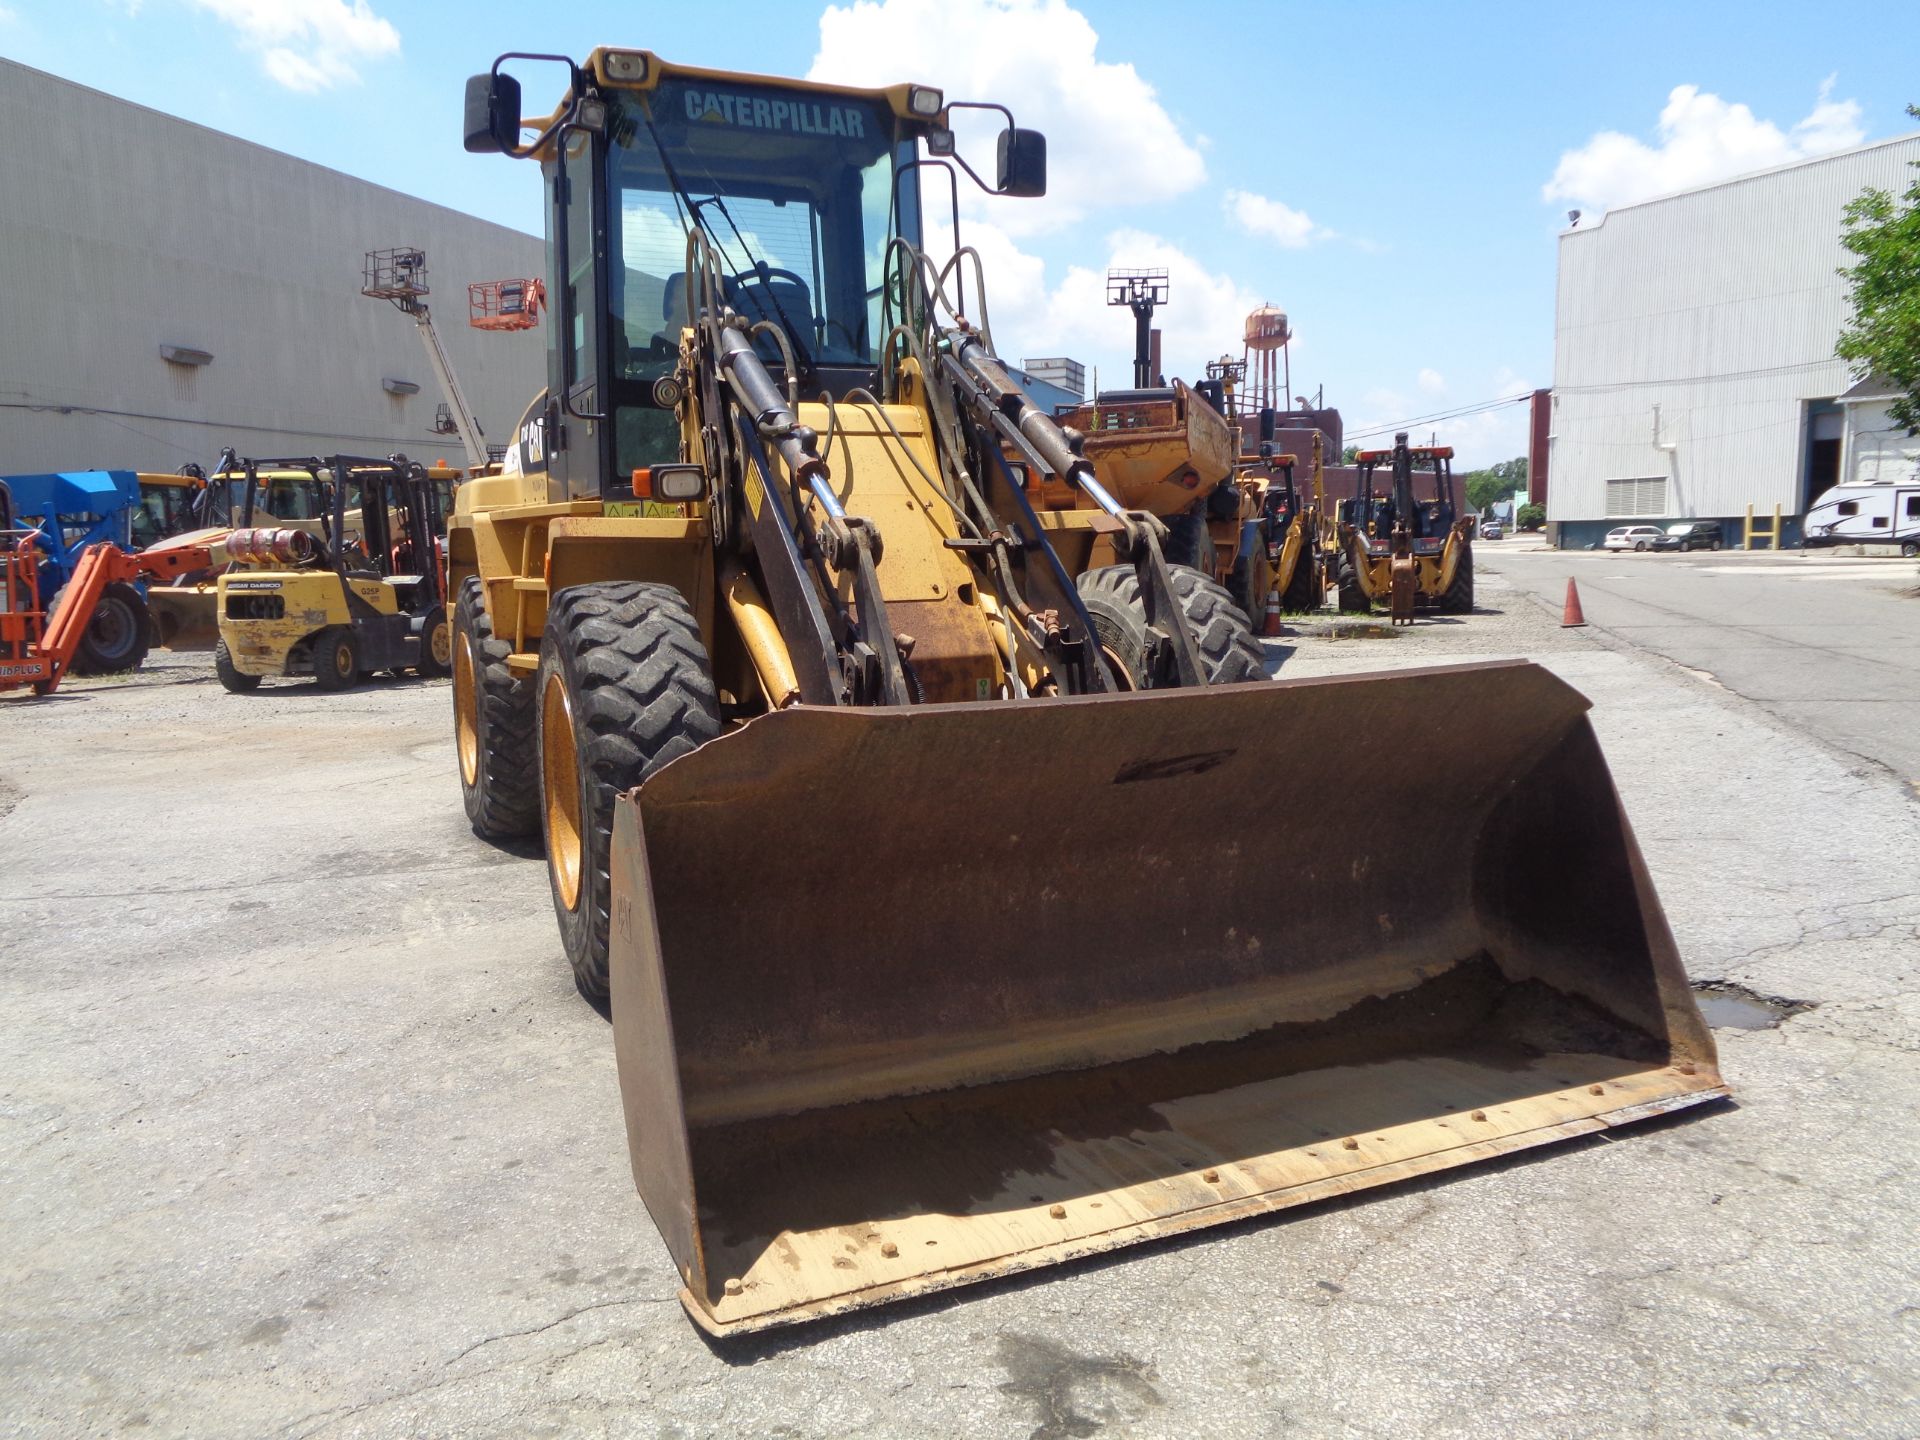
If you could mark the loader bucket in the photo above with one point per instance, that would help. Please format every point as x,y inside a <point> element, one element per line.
<point>908,998</point>
<point>185,617</point>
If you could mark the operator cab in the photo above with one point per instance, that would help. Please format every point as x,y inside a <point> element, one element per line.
<point>799,190</point>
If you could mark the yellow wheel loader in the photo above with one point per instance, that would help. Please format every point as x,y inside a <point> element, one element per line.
<point>942,940</point>
<point>345,603</point>
<point>1400,549</point>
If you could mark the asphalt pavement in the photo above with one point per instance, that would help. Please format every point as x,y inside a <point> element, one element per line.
<point>308,1134</point>
<point>1829,643</point>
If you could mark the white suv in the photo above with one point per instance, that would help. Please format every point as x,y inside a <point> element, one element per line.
<point>1632,537</point>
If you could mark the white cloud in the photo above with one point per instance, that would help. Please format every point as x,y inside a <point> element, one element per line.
<point>1203,318</point>
<point>1109,139</point>
<point>308,45</point>
<point>1272,220</point>
<point>1432,382</point>
<point>1702,138</point>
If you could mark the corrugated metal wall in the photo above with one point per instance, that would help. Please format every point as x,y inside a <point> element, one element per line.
<point>1720,306</point>
<point>123,230</point>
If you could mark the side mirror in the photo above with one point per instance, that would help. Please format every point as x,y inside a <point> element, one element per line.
<point>1023,162</point>
<point>493,114</point>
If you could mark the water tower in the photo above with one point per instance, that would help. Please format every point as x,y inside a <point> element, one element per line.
<point>1267,337</point>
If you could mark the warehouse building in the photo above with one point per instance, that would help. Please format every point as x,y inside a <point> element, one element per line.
<point>172,290</point>
<point>1694,373</point>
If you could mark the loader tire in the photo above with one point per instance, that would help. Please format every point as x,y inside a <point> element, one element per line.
<point>1458,598</point>
<point>1353,600</point>
<point>492,727</point>
<point>624,686</point>
<point>119,634</point>
<point>1229,652</point>
<point>234,682</point>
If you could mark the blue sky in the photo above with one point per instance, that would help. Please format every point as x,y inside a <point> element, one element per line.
<point>1392,175</point>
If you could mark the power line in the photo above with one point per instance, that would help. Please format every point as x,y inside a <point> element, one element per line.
<point>1479,407</point>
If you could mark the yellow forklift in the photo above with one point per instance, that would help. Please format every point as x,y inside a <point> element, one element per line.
<point>346,602</point>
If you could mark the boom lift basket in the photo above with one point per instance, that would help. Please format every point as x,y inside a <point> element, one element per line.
<point>505,304</point>
<point>907,998</point>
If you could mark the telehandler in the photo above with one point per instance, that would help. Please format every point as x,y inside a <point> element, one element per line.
<point>942,941</point>
<point>343,603</point>
<point>1398,548</point>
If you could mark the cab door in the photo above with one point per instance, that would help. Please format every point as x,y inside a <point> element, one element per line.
<point>573,433</point>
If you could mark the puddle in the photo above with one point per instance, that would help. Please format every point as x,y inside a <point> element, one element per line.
<point>1359,631</point>
<point>1734,1007</point>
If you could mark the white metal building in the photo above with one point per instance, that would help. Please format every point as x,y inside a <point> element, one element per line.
<point>128,237</point>
<point>1694,372</point>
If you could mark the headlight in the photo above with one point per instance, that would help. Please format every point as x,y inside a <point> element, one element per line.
<point>925,101</point>
<point>627,65</point>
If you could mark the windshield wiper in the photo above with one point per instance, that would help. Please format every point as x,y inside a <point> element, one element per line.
<point>692,208</point>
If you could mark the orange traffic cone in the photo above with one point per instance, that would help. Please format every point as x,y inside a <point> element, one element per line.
<point>1572,614</point>
<point>1272,625</point>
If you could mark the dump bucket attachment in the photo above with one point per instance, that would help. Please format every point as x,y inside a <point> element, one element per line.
<point>909,998</point>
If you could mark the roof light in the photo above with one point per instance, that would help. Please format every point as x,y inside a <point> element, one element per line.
<point>627,65</point>
<point>925,101</point>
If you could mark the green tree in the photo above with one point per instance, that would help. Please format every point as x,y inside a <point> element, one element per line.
<point>1883,337</point>
<point>1495,483</point>
<point>1349,455</point>
<point>1530,517</point>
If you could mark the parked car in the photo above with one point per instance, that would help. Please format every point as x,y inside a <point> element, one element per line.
<point>1492,531</point>
<point>1690,535</point>
<point>1632,537</point>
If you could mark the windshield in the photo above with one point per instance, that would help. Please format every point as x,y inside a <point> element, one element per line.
<point>793,189</point>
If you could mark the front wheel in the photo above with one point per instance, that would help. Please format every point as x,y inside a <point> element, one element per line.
<point>1640,545</point>
<point>624,686</point>
<point>1229,653</point>
<point>1353,600</point>
<point>436,645</point>
<point>336,659</point>
<point>118,634</point>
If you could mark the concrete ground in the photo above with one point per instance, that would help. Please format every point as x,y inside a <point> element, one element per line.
<point>308,1134</point>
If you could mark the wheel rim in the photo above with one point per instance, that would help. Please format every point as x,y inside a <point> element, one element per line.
<point>466,716</point>
<point>560,777</point>
<point>1122,676</point>
<point>343,659</point>
<point>111,629</point>
<point>440,645</point>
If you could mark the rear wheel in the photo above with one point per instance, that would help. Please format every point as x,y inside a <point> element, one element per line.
<point>1303,590</point>
<point>436,645</point>
<point>492,727</point>
<point>1353,599</point>
<point>1640,545</point>
<point>624,686</point>
<point>1458,598</point>
<point>1229,653</point>
<point>234,682</point>
<point>117,636</point>
<point>336,659</point>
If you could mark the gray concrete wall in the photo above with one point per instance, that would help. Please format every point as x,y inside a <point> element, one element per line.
<point>123,230</point>
<point>1720,306</point>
